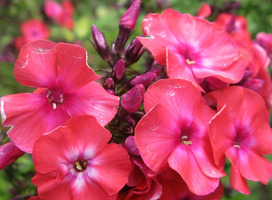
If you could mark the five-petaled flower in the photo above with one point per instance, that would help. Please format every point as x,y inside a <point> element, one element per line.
<point>65,88</point>
<point>174,133</point>
<point>75,162</point>
<point>241,132</point>
<point>191,48</point>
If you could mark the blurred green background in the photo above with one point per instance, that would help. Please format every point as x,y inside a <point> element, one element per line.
<point>105,14</point>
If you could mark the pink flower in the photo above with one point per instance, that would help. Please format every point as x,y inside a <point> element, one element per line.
<point>34,29</point>
<point>191,48</point>
<point>66,88</point>
<point>174,133</point>
<point>241,132</point>
<point>61,13</point>
<point>75,161</point>
<point>265,40</point>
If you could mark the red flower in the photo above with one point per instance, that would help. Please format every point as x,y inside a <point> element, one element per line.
<point>241,131</point>
<point>66,88</point>
<point>34,29</point>
<point>76,162</point>
<point>191,48</point>
<point>174,132</point>
<point>61,13</point>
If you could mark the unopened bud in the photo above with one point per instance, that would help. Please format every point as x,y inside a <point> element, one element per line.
<point>109,83</point>
<point>100,44</point>
<point>144,79</point>
<point>254,84</point>
<point>129,19</point>
<point>127,24</point>
<point>132,100</point>
<point>265,40</point>
<point>134,51</point>
<point>131,146</point>
<point>8,154</point>
<point>119,69</point>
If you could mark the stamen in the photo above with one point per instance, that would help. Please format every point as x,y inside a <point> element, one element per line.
<point>54,105</point>
<point>184,141</point>
<point>190,62</point>
<point>81,165</point>
<point>236,145</point>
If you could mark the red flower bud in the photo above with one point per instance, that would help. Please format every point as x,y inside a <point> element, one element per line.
<point>129,19</point>
<point>132,100</point>
<point>109,83</point>
<point>100,44</point>
<point>119,69</point>
<point>127,24</point>
<point>8,154</point>
<point>144,79</point>
<point>131,146</point>
<point>134,51</point>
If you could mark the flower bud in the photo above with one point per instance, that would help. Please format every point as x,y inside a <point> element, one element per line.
<point>100,44</point>
<point>131,146</point>
<point>265,40</point>
<point>119,69</point>
<point>144,79</point>
<point>109,83</point>
<point>127,24</point>
<point>8,154</point>
<point>204,11</point>
<point>134,51</point>
<point>129,19</point>
<point>132,100</point>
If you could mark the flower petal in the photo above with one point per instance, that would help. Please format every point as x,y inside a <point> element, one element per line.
<point>238,182</point>
<point>183,161</point>
<point>156,136</point>
<point>110,168</point>
<point>74,71</point>
<point>254,167</point>
<point>30,116</point>
<point>36,65</point>
<point>93,100</point>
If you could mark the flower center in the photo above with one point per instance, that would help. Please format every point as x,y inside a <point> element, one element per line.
<point>190,62</point>
<point>184,140</point>
<point>236,145</point>
<point>81,165</point>
<point>55,98</point>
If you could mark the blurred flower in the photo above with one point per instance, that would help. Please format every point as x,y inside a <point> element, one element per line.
<point>76,162</point>
<point>34,29</point>
<point>61,13</point>
<point>174,133</point>
<point>65,88</point>
<point>187,46</point>
<point>240,131</point>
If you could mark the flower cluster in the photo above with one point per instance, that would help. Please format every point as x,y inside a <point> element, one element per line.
<point>165,133</point>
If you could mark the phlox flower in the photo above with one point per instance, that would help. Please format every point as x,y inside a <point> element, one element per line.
<point>241,132</point>
<point>75,161</point>
<point>34,29</point>
<point>65,88</point>
<point>174,133</point>
<point>191,48</point>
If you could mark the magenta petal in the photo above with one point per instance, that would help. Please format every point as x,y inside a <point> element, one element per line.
<point>93,100</point>
<point>74,71</point>
<point>110,168</point>
<point>36,65</point>
<point>254,167</point>
<point>156,136</point>
<point>30,116</point>
<point>183,161</point>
